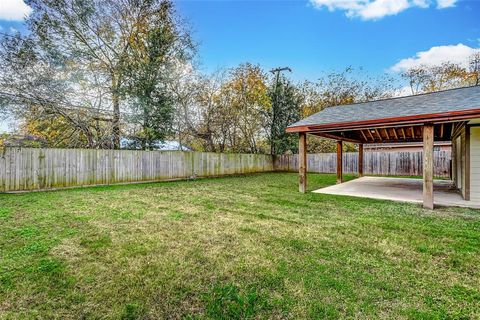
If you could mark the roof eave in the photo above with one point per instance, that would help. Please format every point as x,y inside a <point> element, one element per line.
<point>415,119</point>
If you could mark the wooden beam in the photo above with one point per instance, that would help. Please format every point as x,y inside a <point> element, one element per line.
<point>302,165</point>
<point>363,135</point>
<point>395,133</point>
<point>371,135</point>
<point>453,167</point>
<point>386,133</point>
<point>403,134</point>
<point>441,131</point>
<point>454,128</point>
<point>428,138</point>
<point>467,162</point>
<point>339,161</point>
<point>378,134</point>
<point>413,132</point>
<point>335,137</point>
<point>360,160</point>
<point>457,130</point>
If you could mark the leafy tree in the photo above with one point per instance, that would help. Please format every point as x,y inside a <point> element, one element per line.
<point>444,76</point>
<point>200,111</point>
<point>57,132</point>
<point>32,86</point>
<point>224,112</point>
<point>474,68</point>
<point>339,88</point>
<point>247,95</point>
<point>285,109</point>
<point>153,62</point>
<point>94,54</point>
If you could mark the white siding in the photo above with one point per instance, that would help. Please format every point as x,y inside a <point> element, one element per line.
<point>475,163</point>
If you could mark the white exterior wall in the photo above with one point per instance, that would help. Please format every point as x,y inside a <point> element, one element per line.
<point>475,163</point>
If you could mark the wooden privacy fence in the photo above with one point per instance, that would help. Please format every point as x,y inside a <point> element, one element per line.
<point>35,169</point>
<point>23,169</point>
<point>375,163</point>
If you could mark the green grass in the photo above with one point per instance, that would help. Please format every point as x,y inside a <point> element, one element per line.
<point>234,248</point>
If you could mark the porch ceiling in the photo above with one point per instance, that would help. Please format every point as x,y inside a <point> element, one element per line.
<point>407,133</point>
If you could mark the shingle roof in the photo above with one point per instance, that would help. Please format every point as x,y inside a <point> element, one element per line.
<point>467,98</point>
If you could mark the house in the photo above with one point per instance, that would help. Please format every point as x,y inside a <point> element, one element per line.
<point>167,145</point>
<point>20,140</point>
<point>447,116</point>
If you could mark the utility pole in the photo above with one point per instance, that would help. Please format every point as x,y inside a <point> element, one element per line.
<point>277,72</point>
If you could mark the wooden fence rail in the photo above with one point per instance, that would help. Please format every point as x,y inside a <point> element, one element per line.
<point>35,169</point>
<point>375,163</point>
<point>23,169</point>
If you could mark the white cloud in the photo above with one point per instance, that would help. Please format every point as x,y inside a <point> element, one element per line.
<point>13,10</point>
<point>377,9</point>
<point>381,8</point>
<point>459,54</point>
<point>442,4</point>
<point>403,91</point>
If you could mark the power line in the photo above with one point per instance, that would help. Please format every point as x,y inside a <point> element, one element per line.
<point>278,71</point>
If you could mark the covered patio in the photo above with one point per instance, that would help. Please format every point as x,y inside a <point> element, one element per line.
<point>450,115</point>
<point>400,189</point>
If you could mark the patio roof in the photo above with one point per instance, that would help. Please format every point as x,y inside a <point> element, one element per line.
<point>440,107</point>
<point>430,117</point>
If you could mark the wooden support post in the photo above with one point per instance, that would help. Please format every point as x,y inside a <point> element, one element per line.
<point>428,166</point>
<point>360,160</point>
<point>339,161</point>
<point>302,162</point>
<point>467,162</point>
<point>453,164</point>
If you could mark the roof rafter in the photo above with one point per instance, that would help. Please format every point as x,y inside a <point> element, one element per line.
<point>363,135</point>
<point>395,133</point>
<point>386,133</point>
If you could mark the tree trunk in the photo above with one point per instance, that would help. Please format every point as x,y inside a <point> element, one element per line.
<point>116,114</point>
<point>91,142</point>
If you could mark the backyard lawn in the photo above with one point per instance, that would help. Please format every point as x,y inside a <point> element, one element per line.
<point>236,247</point>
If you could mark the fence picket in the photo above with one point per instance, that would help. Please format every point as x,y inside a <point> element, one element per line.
<point>24,169</point>
<point>375,163</point>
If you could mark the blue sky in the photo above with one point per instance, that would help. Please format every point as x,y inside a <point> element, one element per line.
<point>317,36</point>
<point>311,38</point>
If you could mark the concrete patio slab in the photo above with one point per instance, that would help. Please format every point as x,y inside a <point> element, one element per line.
<point>399,189</point>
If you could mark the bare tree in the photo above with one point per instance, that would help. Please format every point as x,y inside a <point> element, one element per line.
<point>446,75</point>
<point>474,69</point>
